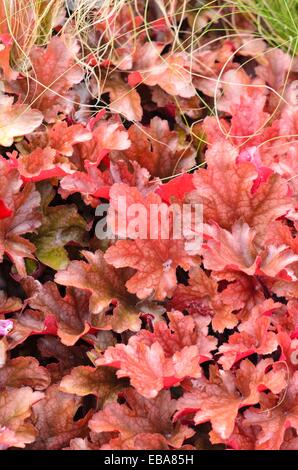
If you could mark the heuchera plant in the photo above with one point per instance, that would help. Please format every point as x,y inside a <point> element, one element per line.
<point>136,342</point>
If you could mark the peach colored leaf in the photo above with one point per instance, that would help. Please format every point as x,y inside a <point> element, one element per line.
<point>91,184</point>
<point>217,404</point>
<point>16,120</point>
<point>277,262</point>
<point>124,99</point>
<point>45,153</point>
<point>39,161</point>
<point>251,380</point>
<point>94,183</point>
<point>233,250</point>
<point>15,408</point>
<point>152,249</point>
<point>121,213</point>
<point>196,297</point>
<point>244,98</point>
<point>237,250</point>
<point>170,71</point>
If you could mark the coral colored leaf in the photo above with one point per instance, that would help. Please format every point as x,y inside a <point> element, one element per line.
<point>237,250</point>
<point>182,331</point>
<point>121,213</point>
<point>165,356</point>
<point>157,148</point>
<point>71,313</point>
<point>155,261</point>
<point>201,298</point>
<point>54,73</point>
<point>94,183</point>
<point>148,367</point>
<point>63,138</point>
<point>219,399</point>
<point>107,135</point>
<point>39,162</point>
<point>245,100</point>
<point>225,190</point>
<point>138,414</point>
<point>270,433</point>
<point>260,341</point>
<point>154,257</point>
<point>195,297</point>
<point>91,184</point>
<point>45,153</point>
<point>106,285</point>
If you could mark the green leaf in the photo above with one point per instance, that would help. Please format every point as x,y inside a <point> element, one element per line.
<point>60,225</point>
